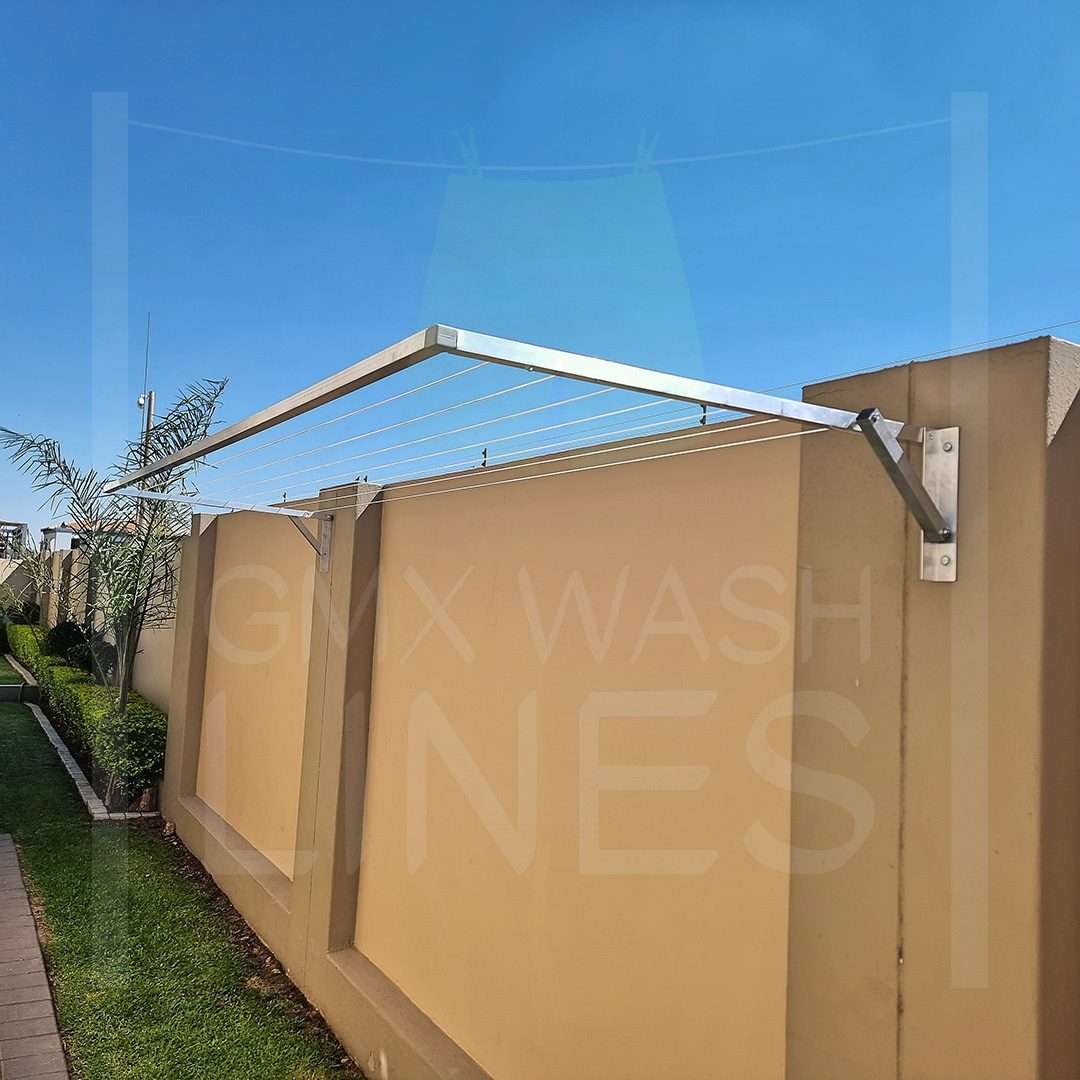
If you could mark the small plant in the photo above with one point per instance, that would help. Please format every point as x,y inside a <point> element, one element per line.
<point>130,747</point>
<point>103,659</point>
<point>64,636</point>
<point>80,656</point>
<point>96,656</point>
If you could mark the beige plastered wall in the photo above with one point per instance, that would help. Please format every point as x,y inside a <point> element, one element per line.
<point>152,676</point>
<point>256,682</point>
<point>556,866</point>
<point>473,899</point>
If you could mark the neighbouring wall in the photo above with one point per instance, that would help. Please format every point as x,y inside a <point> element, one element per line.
<point>14,577</point>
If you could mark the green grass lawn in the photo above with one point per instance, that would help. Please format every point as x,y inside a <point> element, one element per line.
<point>151,974</point>
<point>7,673</point>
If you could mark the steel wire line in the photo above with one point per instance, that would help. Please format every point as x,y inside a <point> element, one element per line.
<point>353,412</point>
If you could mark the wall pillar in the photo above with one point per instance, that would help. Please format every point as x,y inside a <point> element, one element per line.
<point>378,1024</point>
<point>925,952</point>
<point>842,972</point>
<point>335,732</point>
<point>49,614</point>
<point>78,569</point>
<point>64,605</point>
<point>190,646</point>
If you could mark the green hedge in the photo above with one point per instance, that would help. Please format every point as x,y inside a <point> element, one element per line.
<point>129,747</point>
<point>24,643</point>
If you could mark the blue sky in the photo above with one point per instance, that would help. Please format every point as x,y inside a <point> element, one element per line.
<point>275,268</point>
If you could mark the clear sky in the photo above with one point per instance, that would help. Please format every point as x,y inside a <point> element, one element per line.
<point>818,255</point>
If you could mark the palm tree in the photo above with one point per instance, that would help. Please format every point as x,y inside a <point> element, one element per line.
<point>129,544</point>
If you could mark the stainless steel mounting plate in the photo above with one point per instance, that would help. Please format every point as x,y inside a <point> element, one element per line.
<point>326,533</point>
<point>940,475</point>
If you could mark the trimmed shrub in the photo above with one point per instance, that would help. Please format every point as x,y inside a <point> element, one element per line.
<point>25,644</point>
<point>130,748</point>
<point>64,636</point>
<point>75,703</point>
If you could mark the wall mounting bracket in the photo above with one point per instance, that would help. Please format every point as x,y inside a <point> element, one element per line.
<point>932,499</point>
<point>320,542</point>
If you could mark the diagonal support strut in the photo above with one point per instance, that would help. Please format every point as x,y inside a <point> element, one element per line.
<point>321,542</point>
<point>902,473</point>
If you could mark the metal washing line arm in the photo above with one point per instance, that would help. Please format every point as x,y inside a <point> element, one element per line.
<point>933,507</point>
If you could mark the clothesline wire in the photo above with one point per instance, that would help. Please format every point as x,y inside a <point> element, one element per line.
<point>353,412</point>
<point>442,434</point>
<point>388,496</point>
<point>483,443</point>
<point>479,399</point>
<point>350,497</point>
<point>472,462</point>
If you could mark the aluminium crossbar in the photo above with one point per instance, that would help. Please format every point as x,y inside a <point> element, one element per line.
<point>884,435</point>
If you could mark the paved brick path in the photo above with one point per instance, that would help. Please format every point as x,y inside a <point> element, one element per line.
<point>30,1045</point>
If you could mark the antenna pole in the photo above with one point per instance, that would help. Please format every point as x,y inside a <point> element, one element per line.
<point>146,355</point>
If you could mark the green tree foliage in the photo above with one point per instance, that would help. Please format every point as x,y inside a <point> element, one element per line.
<point>129,544</point>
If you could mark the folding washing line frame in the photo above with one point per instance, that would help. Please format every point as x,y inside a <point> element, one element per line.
<point>930,497</point>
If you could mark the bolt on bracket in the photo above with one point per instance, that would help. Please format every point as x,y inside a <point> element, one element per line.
<point>322,541</point>
<point>932,499</point>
